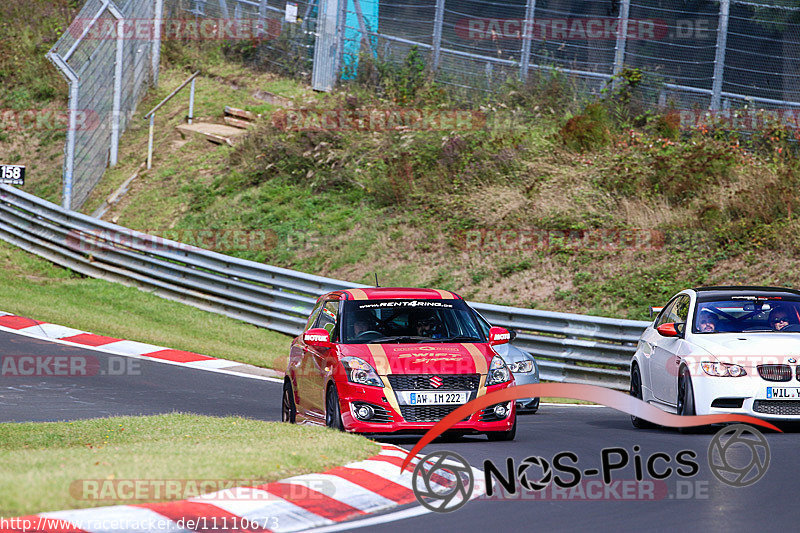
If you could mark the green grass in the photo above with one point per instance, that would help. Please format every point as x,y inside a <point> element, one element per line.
<point>37,289</point>
<point>44,463</point>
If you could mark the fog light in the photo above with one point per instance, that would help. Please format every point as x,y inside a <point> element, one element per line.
<point>500,411</point>
<point>364,412</point>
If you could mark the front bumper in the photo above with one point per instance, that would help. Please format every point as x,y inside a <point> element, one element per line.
<point>351,395</point>
<point>751,390</point>
<point>526,378</point>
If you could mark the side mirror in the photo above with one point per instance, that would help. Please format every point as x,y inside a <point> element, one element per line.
<point>513,334</point>
<point>498,336</point>
<point>670,329</point>
<point>318,337</point>
<point>654,311</point>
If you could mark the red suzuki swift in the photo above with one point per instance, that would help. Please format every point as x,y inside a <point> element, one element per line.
<point>388,360</point>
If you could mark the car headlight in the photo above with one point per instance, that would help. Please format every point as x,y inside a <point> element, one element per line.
<point>498,371</point>
<point>521,367</point>
<point>361,372</point>
<point>723,370</point>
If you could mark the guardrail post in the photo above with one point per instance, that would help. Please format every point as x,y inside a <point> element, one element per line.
<point>155,54</point>
<point>622,39</point>
<point>719,58</point>
<point>527,37</point>
<point>438,22</point>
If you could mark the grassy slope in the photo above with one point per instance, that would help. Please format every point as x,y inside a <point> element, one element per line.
<point>336,215</point>
<point>348,205</point>
<point>35,288</point>
<point>44,463</point>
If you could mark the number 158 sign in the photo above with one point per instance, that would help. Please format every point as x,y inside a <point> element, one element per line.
<point>12,174</point>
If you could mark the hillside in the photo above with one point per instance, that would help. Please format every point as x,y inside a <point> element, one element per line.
<point>632,207</point>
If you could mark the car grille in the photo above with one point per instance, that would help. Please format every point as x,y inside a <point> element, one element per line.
<point>458,382</point>
<point>427,413</point>
<point>777,407</point>
<point>775,372</point>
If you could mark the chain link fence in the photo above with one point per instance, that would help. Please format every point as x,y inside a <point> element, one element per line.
<point>108,61</point>
<point>694,54</point>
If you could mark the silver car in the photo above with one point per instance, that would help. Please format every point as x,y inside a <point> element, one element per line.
<point>521,364</point>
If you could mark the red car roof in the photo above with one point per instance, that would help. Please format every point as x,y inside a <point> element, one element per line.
<point>390,293</point>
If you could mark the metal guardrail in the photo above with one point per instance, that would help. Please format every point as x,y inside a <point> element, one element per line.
<point>568,347</point>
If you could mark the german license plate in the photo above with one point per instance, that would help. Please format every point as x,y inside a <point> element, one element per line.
<point>779,393</point>
<point>436,398</point>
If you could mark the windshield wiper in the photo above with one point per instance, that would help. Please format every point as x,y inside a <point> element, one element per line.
<point>459,338</point>
<point>402,339</point>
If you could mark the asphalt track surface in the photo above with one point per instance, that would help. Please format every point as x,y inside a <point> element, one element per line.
<point>700,502</point>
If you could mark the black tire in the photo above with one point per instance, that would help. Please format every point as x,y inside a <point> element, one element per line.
<point>636,392</point>
<point>686,398</point>
<point>333,411</point>
<point>288,407</point>
<point>497,436</point>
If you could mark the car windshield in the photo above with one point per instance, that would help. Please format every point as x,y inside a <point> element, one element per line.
<point>409,321</point>
<point>747,314</point>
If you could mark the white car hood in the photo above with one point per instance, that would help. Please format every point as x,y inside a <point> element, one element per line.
<point>757,348</point>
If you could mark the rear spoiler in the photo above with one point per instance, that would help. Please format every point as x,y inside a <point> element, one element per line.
<point>654,311</point>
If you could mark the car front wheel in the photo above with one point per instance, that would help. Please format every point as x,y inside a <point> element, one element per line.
<point>685,398</point>
<point>333,413</point>
<point>636,392</point>
<point>288,407</point>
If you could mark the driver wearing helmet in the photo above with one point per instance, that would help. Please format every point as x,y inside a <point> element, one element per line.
<point>427,325</point>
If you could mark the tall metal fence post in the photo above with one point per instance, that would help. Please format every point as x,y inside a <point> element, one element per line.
<point>155,55</point>
<point>326,46</point>
<point>719,58</point>
<point>69,148</point>
<point>622,39</point>
<point>438,22</point>
<point>527,36</point>
<point>191,102</point>
<point>223,8</point>
<point>117,97</point>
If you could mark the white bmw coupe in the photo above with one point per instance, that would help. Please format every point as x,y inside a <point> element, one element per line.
<point>714,350</point>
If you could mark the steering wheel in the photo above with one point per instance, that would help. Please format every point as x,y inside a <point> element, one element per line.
<point>368,332</point>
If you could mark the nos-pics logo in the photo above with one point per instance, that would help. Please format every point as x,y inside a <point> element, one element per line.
<point>443,481</point>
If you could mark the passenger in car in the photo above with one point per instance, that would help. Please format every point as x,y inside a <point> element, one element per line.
<point>426,325</point>
<point>779,318</point>
<point>707,322</point>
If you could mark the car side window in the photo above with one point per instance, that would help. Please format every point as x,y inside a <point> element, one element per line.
<point>329,316</point>
<point>667,314</point>
<point>681,309</point>
<point>312,318</point>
